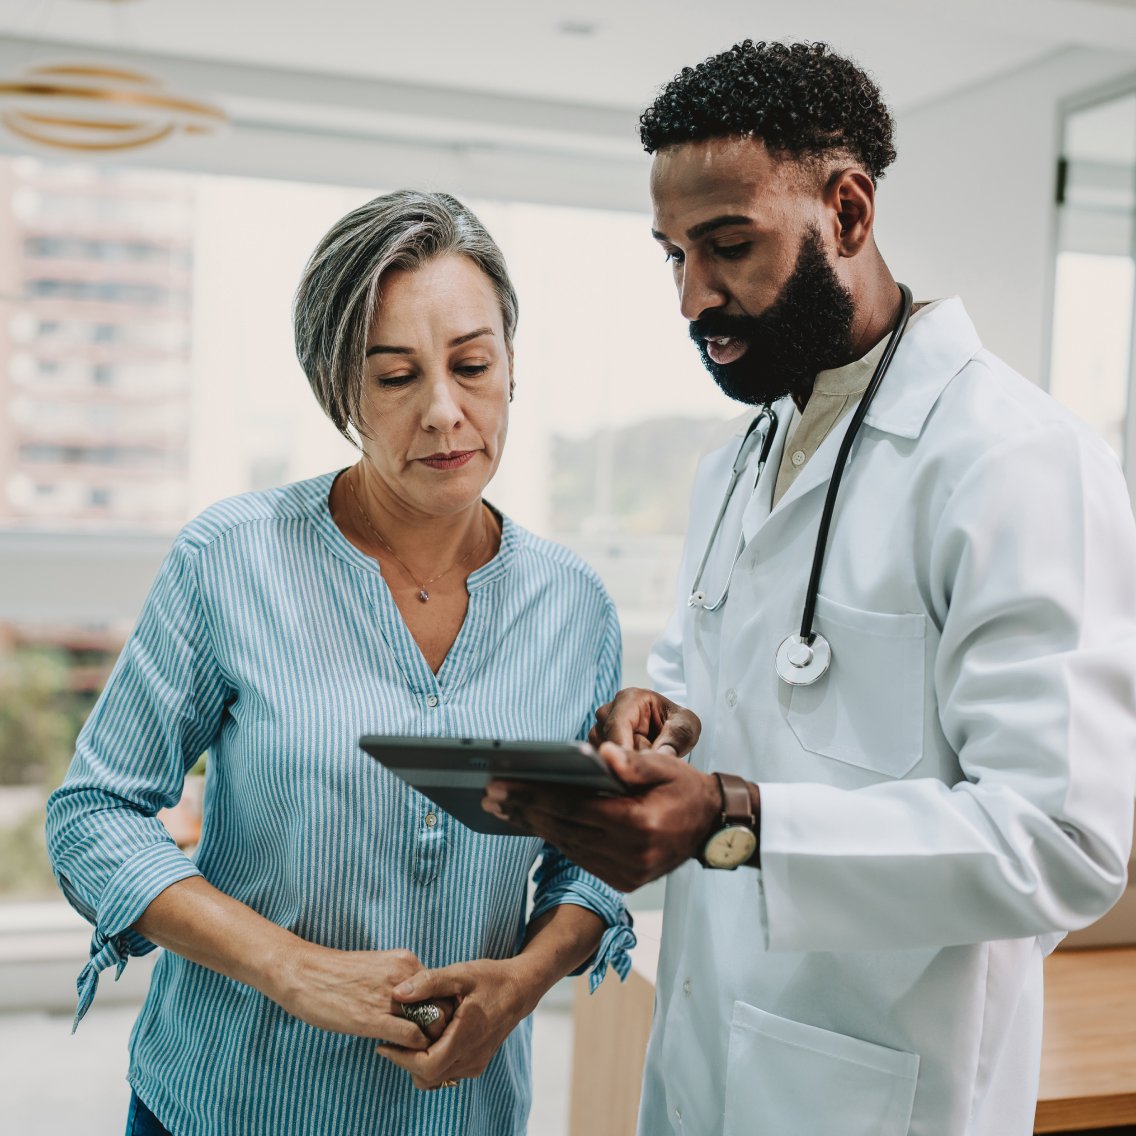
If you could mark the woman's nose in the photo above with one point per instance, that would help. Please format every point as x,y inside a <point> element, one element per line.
<point>442,413</point>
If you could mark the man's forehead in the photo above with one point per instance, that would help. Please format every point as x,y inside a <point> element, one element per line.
<point>716,176</point>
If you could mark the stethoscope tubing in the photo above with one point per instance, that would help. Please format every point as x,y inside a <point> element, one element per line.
<point>769,417</point>
<point>807,634</point>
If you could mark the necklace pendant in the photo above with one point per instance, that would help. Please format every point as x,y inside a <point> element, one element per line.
<point>423,595</point>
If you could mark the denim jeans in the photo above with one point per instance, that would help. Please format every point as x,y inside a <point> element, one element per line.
<point>140,1121</point>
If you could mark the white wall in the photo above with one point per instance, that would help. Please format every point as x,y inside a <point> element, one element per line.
<point>969,207</point>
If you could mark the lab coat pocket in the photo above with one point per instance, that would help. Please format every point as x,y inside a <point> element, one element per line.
<point>787,1077</point>
<point>867,710</point>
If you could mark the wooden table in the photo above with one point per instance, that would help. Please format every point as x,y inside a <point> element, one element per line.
<point>1088,1063</point>
<point>1088,1053</point>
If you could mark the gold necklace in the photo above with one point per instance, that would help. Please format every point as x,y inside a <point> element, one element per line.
<point>421,585</point>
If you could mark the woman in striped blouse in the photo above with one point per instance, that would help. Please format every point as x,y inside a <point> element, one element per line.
<point>387,598</point>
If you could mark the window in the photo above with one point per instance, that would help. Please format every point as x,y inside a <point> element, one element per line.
<point>147,375</point>
<point>1091,366</point>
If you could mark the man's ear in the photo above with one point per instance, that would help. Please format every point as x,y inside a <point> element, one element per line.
<point>851,198</point>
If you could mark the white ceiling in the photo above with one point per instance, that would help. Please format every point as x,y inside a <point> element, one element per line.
<point>615,53</point>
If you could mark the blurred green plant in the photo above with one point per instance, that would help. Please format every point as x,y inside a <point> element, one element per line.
<point>39,716</point>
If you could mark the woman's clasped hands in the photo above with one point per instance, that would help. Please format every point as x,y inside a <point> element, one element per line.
<point>352,992</point>
<point>483,1001</point>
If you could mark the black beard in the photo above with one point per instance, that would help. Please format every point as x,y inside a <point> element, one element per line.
<point>807,329</point>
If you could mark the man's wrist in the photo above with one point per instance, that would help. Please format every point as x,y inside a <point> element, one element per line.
<point>711,814</point>
<point>755,807</point>
<point>720,820</point>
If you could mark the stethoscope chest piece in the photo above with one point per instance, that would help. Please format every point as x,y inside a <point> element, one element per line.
<point>800,663</point>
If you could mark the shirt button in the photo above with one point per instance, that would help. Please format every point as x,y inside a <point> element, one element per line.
<point>686,987</point>
<point>431,700</point>
<point>798,458</point>
<point>731,697</point>
<point>431,819</point>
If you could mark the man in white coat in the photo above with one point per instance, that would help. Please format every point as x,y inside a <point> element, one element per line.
<point>865,872</point>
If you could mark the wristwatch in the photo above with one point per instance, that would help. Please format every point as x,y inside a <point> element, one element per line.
<point>735,841</point>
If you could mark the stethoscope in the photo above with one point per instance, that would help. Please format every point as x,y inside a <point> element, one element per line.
<point>805,657</point>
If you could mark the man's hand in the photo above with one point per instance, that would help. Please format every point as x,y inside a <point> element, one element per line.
<point>627,841</point>
<point>643,719</point>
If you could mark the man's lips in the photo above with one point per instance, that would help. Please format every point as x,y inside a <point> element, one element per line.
<point>725,349</point>
<point>455,459</point>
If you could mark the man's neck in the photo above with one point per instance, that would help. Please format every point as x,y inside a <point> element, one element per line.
<point>874,318</point>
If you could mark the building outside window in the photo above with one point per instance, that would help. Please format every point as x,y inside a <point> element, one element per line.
<point>147,369</point>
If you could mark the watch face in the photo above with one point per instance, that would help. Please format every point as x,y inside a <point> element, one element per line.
<point>730,846</point>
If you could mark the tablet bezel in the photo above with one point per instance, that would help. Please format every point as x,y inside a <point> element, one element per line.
<point>453,772</point>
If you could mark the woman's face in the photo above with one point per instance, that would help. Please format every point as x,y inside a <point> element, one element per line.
<point>435,404</point>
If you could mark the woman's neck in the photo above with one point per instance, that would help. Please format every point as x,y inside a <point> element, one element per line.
<point>424,543</point>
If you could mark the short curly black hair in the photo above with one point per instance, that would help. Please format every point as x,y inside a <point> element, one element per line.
<point>800,99</point>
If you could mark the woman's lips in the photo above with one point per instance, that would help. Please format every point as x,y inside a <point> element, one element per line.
<point>453,460</point>
<point>725,349</point>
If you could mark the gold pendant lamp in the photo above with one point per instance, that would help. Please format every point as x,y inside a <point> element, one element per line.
<point>92,108</point>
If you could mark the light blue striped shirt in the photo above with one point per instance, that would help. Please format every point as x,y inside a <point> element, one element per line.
<point>274,643</point>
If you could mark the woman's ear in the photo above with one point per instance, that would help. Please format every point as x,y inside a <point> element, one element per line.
<point>851,195</point>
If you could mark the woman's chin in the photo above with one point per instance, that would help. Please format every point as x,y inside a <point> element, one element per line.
<point>448,500</point>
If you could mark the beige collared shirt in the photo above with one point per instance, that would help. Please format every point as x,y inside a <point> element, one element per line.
<point>835,393</point>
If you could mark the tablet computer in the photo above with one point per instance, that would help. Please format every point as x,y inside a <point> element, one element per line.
<point>453,772</point>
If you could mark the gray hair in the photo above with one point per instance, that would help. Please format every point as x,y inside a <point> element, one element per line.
<point>339,290</point>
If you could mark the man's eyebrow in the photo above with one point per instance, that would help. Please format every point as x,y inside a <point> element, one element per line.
<point>388,349</point>
<point>704,227</point>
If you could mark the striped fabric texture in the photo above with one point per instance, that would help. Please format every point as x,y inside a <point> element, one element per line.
<point>273,643</point>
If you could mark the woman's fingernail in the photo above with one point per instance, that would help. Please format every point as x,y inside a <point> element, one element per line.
<point>403,989</point>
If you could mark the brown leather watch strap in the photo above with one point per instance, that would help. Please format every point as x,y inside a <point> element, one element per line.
<point>736,805</point>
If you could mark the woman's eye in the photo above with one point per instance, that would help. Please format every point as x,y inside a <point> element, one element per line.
<point>472,370</point>
<point>395,380</point>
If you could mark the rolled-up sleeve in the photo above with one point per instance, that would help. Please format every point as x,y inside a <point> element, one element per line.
<point>161,708</point>
<point>559,881</point>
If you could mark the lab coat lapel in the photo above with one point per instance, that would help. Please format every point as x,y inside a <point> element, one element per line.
<point>928,357</point>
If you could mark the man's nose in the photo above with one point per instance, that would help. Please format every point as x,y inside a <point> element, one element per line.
<point>698,293</point>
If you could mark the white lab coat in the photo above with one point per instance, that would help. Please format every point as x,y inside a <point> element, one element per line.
<point>939,808</point>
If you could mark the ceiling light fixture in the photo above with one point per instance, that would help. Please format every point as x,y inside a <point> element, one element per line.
<point>83,106</point>
<point>581,29</point>
<point>96,108</point>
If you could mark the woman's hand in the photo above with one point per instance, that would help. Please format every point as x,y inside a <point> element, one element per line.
<point>644,719</point>
<point>492,997</point>
<point>351,992</point>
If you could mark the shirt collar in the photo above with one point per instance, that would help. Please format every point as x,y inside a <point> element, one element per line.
<point>852,378</point>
